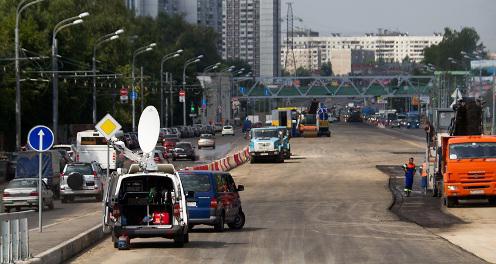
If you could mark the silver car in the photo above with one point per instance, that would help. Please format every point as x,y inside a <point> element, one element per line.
<point>206,141</point>
<point>81,179</point>
<point>23,193</point>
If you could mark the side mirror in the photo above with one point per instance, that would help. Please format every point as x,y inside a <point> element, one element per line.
<point>241,188</point>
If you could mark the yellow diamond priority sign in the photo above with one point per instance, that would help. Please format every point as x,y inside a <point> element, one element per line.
<point>108,126</point>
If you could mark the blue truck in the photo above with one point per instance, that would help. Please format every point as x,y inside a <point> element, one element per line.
<point>266,143</point>
<point>27,166</point>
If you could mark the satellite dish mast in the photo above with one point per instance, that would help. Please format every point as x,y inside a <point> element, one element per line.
<point>148,133</point>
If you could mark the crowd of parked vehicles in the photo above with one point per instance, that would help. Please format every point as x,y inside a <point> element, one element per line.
<point>392,119</point>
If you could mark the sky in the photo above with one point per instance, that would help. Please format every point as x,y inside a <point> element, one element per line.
<point>417,17</point>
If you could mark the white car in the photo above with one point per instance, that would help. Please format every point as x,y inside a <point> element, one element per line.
<point>81,179</point>
<point>206,141</point>
<point>227,130</point>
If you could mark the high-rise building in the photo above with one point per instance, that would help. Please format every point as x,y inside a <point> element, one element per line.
<point>251,32</point>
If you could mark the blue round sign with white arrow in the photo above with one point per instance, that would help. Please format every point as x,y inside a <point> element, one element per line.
<point>40,138</point>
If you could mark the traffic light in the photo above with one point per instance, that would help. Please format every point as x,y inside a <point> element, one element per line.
<point>192,108</point>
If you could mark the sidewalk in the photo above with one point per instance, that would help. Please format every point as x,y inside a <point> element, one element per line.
<point>65,238</point>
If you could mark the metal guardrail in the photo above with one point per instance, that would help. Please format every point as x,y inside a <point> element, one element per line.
<point>14,240</point>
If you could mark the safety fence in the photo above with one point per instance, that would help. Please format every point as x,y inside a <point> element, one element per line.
<point>227,163</point>
<point>14,240</point>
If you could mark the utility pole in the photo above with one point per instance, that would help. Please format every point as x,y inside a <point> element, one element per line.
<point>142,90</point>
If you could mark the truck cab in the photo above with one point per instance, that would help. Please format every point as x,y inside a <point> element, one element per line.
<point>469,168</point>
<point>266,143</point>
<point>143,204</point>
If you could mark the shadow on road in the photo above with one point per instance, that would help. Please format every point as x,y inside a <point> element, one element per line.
<point>207,229</point>
<point>422,209</point>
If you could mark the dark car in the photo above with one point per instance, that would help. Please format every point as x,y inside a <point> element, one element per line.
<point>412,123</point>
<point>217,201</point>
<point>184,150</point>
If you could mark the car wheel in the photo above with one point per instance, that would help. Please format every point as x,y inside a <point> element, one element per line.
<point>239,221</point>
<point>219,226</point>
<point>492,200</point>
<point>173,159</point>
<point>199,147</point>
<point>213,147</point>
<point>63,199</point>
<point>450,201</point>
<point>186,238</point>
<point>190,227</point>
<point>179,240</point>
<point>99,197</point>
<point>7,209</point>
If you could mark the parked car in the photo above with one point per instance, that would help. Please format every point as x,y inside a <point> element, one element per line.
<point>23,193</point>
<point>216,199</point>
<point>206,141</point>
<point>70,150</point>
<point>227,130</point>
<point>184,150</point>
<point>81,179</point>
<point>130,197</point>
<point>175,131</point>
<point>395,124</point>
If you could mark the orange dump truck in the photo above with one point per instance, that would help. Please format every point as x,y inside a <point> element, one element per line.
<point>469,168</point>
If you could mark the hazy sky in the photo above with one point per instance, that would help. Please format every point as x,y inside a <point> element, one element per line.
<point>417,17</point>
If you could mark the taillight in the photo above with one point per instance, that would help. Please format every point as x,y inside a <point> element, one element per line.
<point>33,194</point>
<point>77,157</point>
<point>177,210</point>
<point>213,203</point>
<point>6,194</point>
<point>113,156</point>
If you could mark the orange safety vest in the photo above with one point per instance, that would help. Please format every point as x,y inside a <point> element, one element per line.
<point>424,170</point>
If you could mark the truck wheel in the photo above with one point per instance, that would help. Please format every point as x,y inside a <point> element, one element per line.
<point>280,159</point>
<point>450,201</point>
<point>252,160</point>
<point>492,200</point>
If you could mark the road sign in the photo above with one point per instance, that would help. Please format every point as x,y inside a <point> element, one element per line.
<point>182,96</point>
<point>108,126</point>
<point>134,95</point>
<point>123,91</point>
<point>40,138</point>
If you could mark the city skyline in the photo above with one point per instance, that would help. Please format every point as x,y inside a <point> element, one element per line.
<point>418,20</point>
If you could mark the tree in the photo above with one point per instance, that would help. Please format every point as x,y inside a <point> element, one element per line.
<point>302,72</point>
<point>453,43</point>
<point>326,69</point>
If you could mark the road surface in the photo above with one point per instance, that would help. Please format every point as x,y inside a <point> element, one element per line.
<point>328,204</point>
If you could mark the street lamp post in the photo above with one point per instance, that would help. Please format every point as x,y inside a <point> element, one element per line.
<point>186,64</point>
<point>20,7</point>
<point>55,89</point>
<point>133,98</point>
<point>100,41</point>
<point>164,59</point>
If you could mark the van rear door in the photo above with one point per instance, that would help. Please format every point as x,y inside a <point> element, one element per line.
<point>107,202</point>
<point>201,184</point>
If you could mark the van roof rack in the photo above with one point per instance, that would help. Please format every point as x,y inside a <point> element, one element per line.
<point>163,168</point>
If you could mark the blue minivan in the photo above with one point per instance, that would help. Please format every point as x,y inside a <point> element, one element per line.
<point>217,201</point>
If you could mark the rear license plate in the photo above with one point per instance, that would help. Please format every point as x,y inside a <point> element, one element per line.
<point>477,192</point>
<point>193,204</point>
<point>264,154</point>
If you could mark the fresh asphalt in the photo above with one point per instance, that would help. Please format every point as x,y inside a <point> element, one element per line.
<point>327,204</point>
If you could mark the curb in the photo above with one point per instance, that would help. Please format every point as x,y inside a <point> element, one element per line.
<point>69,248</point>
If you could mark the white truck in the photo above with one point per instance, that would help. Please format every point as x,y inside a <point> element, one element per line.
<point>92,146</point>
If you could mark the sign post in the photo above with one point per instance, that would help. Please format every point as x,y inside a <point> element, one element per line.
<point>108,126</point>
<point>40,138</point>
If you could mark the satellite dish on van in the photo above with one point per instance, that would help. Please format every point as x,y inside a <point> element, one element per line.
<point>148,129</point>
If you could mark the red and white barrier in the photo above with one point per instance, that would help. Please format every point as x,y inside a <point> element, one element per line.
<point>225,164</point>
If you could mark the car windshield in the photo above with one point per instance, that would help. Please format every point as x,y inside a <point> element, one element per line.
<point>195,182</point>
<point>228,127</point>
<point>170,136</point>
<point>84,169</point>
<point>268,133</point>
<point>472,150</point>
<point>184,146</point>
<point>206,136</point>
<point>24,183</point>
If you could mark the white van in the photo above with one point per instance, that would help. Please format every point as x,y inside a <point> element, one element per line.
<point>92,146</point>
<point>143,204</point>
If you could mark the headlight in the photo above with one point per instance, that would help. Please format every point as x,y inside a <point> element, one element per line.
<point>452,187</point>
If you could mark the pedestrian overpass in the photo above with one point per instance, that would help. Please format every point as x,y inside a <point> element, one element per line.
<point>333,87</point>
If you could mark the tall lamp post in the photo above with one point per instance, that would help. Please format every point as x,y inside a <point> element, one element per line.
<point>164,59</point>
<point>137,52</point>
<point>20,7</point>
<point>186,64</point>
<point>55,84</point>
<point>100,41</point>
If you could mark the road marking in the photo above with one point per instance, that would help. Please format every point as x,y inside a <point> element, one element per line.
<point>64,220</point>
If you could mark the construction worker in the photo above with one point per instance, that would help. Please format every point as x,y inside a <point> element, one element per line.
<point>410,170</point>
<point>423,173</point>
